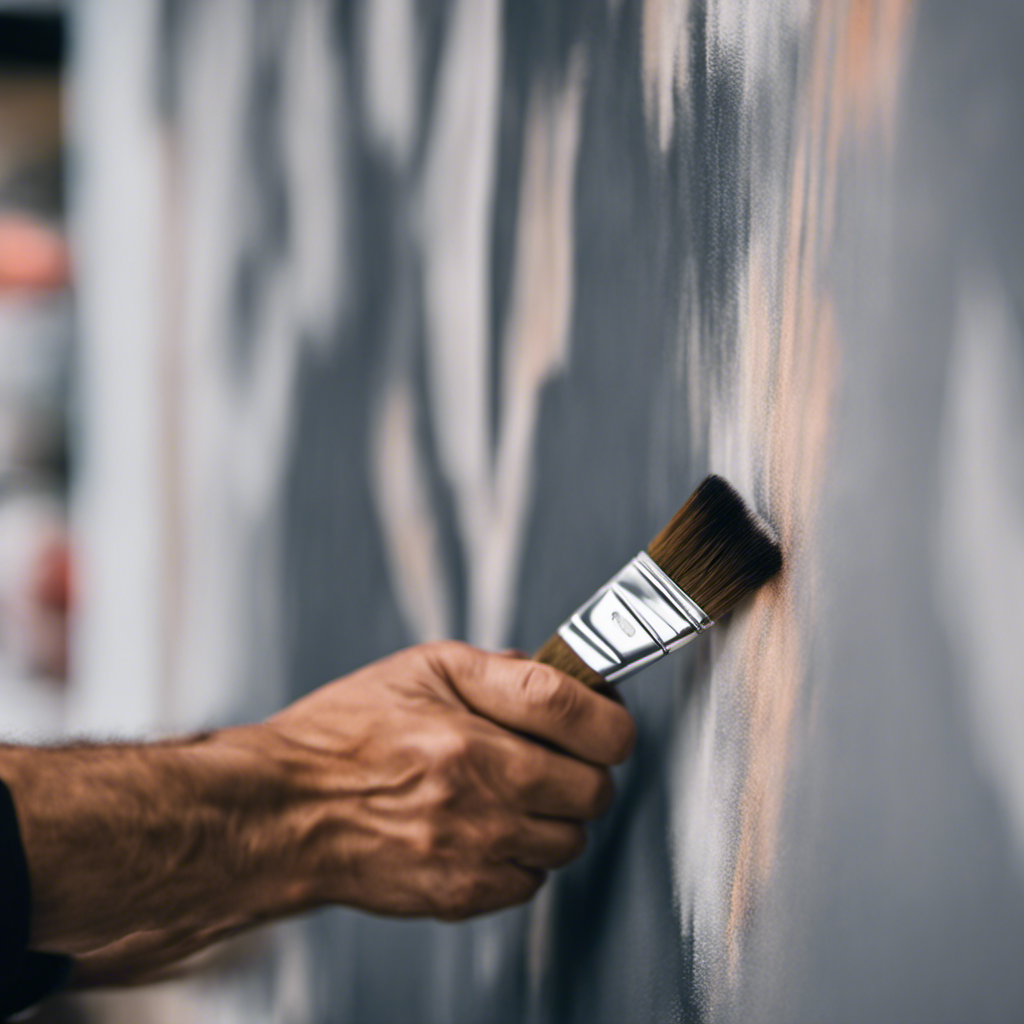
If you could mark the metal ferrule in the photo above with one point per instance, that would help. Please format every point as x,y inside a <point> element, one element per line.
<point>636,618</point>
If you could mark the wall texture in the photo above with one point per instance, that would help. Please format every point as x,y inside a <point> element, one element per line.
<point>461,301</point>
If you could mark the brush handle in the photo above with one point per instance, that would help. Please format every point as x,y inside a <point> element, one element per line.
<point>558,654</point>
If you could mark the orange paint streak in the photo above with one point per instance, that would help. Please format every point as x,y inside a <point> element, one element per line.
<point>788,371</point>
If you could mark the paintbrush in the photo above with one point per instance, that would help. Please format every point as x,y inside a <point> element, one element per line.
<point>712,554</point>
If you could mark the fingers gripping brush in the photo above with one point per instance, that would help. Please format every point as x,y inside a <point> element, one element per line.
<point>712,554</point>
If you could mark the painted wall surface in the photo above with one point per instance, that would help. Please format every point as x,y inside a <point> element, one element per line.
<point>462,299</point>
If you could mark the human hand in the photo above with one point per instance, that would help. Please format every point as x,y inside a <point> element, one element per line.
<point>441,781</point>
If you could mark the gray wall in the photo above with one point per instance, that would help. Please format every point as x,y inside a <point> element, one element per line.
<point>468,296</point>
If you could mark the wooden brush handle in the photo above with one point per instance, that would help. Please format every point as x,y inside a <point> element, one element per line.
<point>557,653</point>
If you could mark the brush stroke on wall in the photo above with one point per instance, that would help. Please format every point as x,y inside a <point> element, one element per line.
<point>462,299</point>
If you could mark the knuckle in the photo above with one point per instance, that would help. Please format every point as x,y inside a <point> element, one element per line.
<point>570,843</point>
<point>499,839</point>
<point>547,689</point>
<point>433,653</point>
<point>452,747</point>
<point>440,794</point>
<point>452,659</point>
<point>457,650</point>
<point>433,839</point>
<point>521,774</point>
<point>461,658</point>
<point>423,839</point>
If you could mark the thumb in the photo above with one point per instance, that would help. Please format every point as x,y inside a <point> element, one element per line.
<point>540,701</point>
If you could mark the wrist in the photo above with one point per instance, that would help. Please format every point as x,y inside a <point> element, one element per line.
<point>314,837</point>
<point>259,792</point>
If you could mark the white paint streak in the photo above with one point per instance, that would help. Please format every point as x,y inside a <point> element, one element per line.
<point>392,59</point>
<point>665,58</point>
<point>491,501</point>
<point>979,549</point>
<point>456,216</point>
<point>749,34</point>
<point>407,520</point>
<point>236,425</point>
<point>743,34</point>
<point>118,517</point>
<point>212,119</point>
<point>536,341</point>
<point>699,831</point>
<point>708,754</point>
<point>314,156</point>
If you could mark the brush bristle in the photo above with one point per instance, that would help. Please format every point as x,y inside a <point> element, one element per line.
<point>716,549</point>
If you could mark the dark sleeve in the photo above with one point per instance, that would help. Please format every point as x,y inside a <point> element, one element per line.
<point>25,977</point>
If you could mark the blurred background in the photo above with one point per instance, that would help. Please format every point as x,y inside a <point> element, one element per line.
<point>36,356</point>
<point>330,326</point>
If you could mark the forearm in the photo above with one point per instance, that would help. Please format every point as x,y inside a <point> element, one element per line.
<point>180,838</point>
